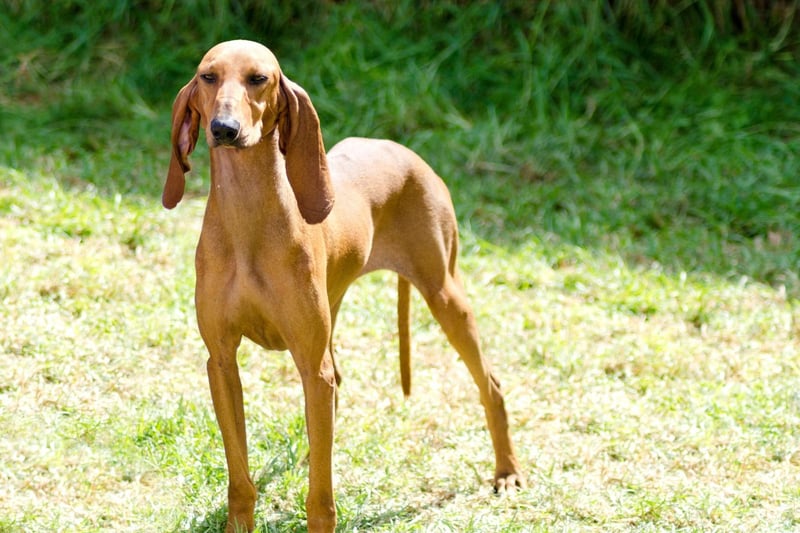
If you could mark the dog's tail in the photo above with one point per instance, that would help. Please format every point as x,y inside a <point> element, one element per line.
<point>404,332</point>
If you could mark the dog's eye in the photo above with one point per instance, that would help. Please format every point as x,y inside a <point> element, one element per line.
<point>209,78</point>
<point>257,79</point>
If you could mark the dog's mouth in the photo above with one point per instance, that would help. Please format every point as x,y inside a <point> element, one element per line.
<point>236,144</point>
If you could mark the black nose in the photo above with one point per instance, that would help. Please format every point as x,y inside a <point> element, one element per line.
<point>225,130</point>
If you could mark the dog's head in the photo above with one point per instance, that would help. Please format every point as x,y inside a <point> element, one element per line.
<point>238,96</point>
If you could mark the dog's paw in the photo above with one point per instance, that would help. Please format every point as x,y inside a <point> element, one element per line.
<point>508,484</point>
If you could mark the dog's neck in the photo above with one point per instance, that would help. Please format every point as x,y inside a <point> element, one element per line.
<point>250,190</point>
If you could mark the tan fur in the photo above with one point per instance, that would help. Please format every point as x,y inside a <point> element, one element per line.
<point>287,229</point>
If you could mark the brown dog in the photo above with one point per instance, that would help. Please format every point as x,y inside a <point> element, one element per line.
<point>276,254</point>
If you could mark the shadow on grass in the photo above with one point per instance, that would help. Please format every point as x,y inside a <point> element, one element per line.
<point>288,521</point>
<point>284,478</point>
<point>291,522</point>
<point>699,218</point>
<point>686,209</point>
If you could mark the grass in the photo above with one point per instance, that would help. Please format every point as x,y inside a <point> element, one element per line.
<point>629,221</point>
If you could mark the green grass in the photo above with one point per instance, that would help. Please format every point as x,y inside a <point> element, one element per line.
<point>626,186</point>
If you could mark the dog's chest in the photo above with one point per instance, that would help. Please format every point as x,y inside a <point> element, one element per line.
<point>240,299</point>
<point>256,302</point>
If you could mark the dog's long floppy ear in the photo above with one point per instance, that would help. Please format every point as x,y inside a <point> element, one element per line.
<point>301,143</point>
<point>185,130</point>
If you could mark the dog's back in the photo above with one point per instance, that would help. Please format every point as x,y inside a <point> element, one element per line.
<point>386,177</point>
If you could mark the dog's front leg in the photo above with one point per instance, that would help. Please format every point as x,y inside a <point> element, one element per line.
<point>319,386</point>
<point>226,393</point>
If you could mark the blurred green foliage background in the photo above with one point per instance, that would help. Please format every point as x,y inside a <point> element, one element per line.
<point>663,131</point>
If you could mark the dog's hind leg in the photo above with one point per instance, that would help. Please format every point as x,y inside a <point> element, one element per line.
<point>449,306</point>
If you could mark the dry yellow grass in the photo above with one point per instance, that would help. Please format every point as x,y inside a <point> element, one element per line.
<point>640,399</point>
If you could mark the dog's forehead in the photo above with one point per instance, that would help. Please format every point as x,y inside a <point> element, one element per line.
<point>239,55</point>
